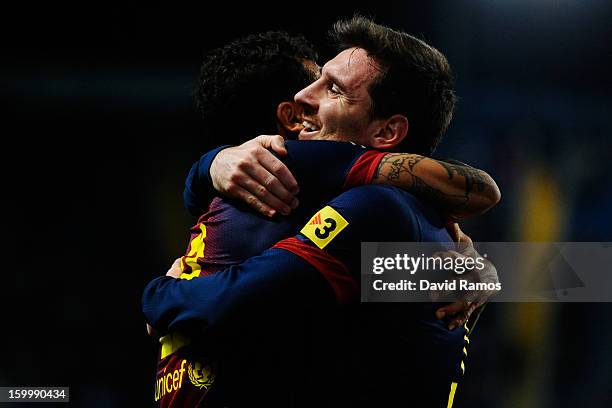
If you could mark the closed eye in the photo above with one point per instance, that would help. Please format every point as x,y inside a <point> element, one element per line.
<point>335,89</point>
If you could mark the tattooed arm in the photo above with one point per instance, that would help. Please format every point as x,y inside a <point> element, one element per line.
<point>455,188</point>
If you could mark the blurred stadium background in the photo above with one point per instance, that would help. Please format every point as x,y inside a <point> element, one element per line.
<point>101,129</point>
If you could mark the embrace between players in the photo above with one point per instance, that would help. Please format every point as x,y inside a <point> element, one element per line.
<point>263,308</point>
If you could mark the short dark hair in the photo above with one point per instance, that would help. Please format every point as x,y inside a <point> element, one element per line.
<point>416,80</point>
<point>242,83</point>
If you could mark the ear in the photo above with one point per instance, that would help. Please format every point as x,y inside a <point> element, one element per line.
<point>289,116</point>
<point>391,133</point>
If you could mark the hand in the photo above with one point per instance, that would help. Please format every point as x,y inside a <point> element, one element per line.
<point>460,311</point>
<point>251,173</point>
<point>151,331</point>
<point>175,270</point>
<point>458,235</point>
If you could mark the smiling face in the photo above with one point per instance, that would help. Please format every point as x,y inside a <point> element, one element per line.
<point>337,105</point>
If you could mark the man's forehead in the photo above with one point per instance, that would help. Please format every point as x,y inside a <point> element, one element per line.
<point>352,63</point>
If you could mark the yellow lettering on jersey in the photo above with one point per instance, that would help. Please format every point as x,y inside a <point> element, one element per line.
<point>191,259</point>
<point>168,383</point>
<point>324,226</point>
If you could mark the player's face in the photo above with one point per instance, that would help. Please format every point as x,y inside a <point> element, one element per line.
<point>337,105</point>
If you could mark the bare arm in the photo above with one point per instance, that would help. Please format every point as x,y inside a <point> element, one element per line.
<point>455,188</point>
<point>252,174</point>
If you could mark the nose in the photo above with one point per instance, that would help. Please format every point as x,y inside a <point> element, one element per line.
<point>307,97</point>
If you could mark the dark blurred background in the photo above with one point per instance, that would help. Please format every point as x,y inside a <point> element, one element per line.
<point>100,130</point>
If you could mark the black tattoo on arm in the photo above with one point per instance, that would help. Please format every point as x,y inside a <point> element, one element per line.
<point>436,197</point>
<point>413,161</point>
<point>395,166</point>
<point>473,177</point>
<point>399,164</point>
<point>467,186</point>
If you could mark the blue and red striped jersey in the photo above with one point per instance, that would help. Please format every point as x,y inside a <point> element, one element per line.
<point>229,232</point>
<point>261,297</point>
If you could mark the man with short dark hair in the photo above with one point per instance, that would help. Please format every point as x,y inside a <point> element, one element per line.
<point>266,66</point>
<point>409,81</point>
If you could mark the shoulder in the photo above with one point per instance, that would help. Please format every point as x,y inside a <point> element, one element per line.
<point>380,212</point>
<point>297,146</point>
<point>322,156</point>
<point>321,167</point>
<point>386,213</point>
<point>378,198</point>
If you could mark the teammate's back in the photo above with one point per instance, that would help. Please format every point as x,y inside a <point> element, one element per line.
<point>368,354</point>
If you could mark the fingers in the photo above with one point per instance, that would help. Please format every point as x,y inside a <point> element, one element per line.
<point>282,183</point>
<point>452,309</point>
<point>464,238</point>
<point>459,312</point>
<point>273,142</point>
<point>175,269</point>
<point>257,189</point>
<point>465,245</point>
<point>457,235</point>
<point>459,320</point>
<point>251,172</point>
<point>462,317</point>
<point>453,230</point>
<point>253,201</point>
<point>270,176</point>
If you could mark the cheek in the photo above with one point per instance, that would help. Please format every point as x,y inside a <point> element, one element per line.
<point>355,119</point>
<point>329,114</point>
<point>339,111</point>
